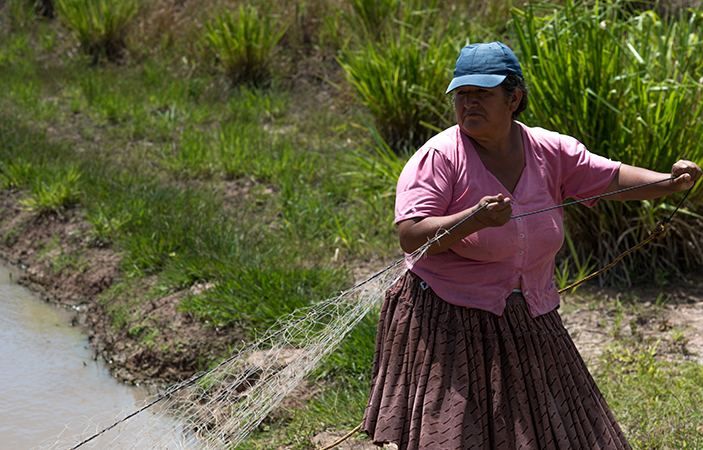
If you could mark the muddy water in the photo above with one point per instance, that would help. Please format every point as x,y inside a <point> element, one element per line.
<point>48,376</point>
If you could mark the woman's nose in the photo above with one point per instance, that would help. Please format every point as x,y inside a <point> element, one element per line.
<point>466,99</point>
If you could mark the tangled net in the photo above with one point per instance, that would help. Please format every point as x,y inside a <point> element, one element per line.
<point>219,408</point>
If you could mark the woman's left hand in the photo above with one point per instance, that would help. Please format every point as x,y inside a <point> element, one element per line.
<point>686,173</point>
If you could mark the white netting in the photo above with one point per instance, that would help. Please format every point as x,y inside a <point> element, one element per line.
<point>219,408</point>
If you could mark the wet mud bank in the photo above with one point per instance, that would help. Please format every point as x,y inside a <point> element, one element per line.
<point>60,260</point>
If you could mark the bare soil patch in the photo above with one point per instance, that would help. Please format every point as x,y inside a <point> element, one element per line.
<point>670,317</point>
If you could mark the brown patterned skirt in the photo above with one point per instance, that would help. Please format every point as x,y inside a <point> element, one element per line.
<point>449,377</point>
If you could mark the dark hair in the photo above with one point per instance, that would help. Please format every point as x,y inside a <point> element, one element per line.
<point>514,81</point>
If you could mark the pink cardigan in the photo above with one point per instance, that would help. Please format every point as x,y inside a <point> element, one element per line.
<point>446,176</point>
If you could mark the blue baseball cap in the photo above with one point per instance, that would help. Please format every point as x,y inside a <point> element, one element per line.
<point>484,65</point>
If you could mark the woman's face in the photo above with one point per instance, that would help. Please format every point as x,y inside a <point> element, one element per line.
<point>484,112</point>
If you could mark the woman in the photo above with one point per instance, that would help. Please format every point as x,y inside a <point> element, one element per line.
<point>471,352</point>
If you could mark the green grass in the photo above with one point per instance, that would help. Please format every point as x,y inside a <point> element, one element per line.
<point>185,235</point>
<point>656,402</point>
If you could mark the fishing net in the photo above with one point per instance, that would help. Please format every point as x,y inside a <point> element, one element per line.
<point>219,408</point>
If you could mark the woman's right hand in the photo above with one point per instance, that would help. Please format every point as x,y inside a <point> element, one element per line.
<point>416,232</point>
<point>496,213</point>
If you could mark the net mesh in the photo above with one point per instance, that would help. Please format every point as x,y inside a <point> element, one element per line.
<point>219,408</point>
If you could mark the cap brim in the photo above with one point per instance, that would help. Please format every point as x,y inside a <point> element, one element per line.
<point>485,81</point>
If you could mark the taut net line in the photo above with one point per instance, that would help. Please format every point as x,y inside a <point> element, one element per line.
<point>219,408</point>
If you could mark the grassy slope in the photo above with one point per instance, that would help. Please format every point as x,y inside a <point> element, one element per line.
<point>195,182</point>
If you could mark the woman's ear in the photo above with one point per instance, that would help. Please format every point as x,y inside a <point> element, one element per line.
<point>515,99</point>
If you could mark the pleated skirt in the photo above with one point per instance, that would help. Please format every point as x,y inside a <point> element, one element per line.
<point>450,377</point>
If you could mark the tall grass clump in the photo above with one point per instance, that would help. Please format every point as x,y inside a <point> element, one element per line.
<point>54,191</point>
<point>244,44</point>
<point>369,17</point>
<point>623,87</point>
<point>100,25</point>
<point>401,80</point>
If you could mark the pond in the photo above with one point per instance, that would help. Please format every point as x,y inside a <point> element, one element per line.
<point>50,378</point>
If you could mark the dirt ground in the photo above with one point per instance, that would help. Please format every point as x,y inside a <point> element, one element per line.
<point>60,261</point>
<point>673,321</point>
